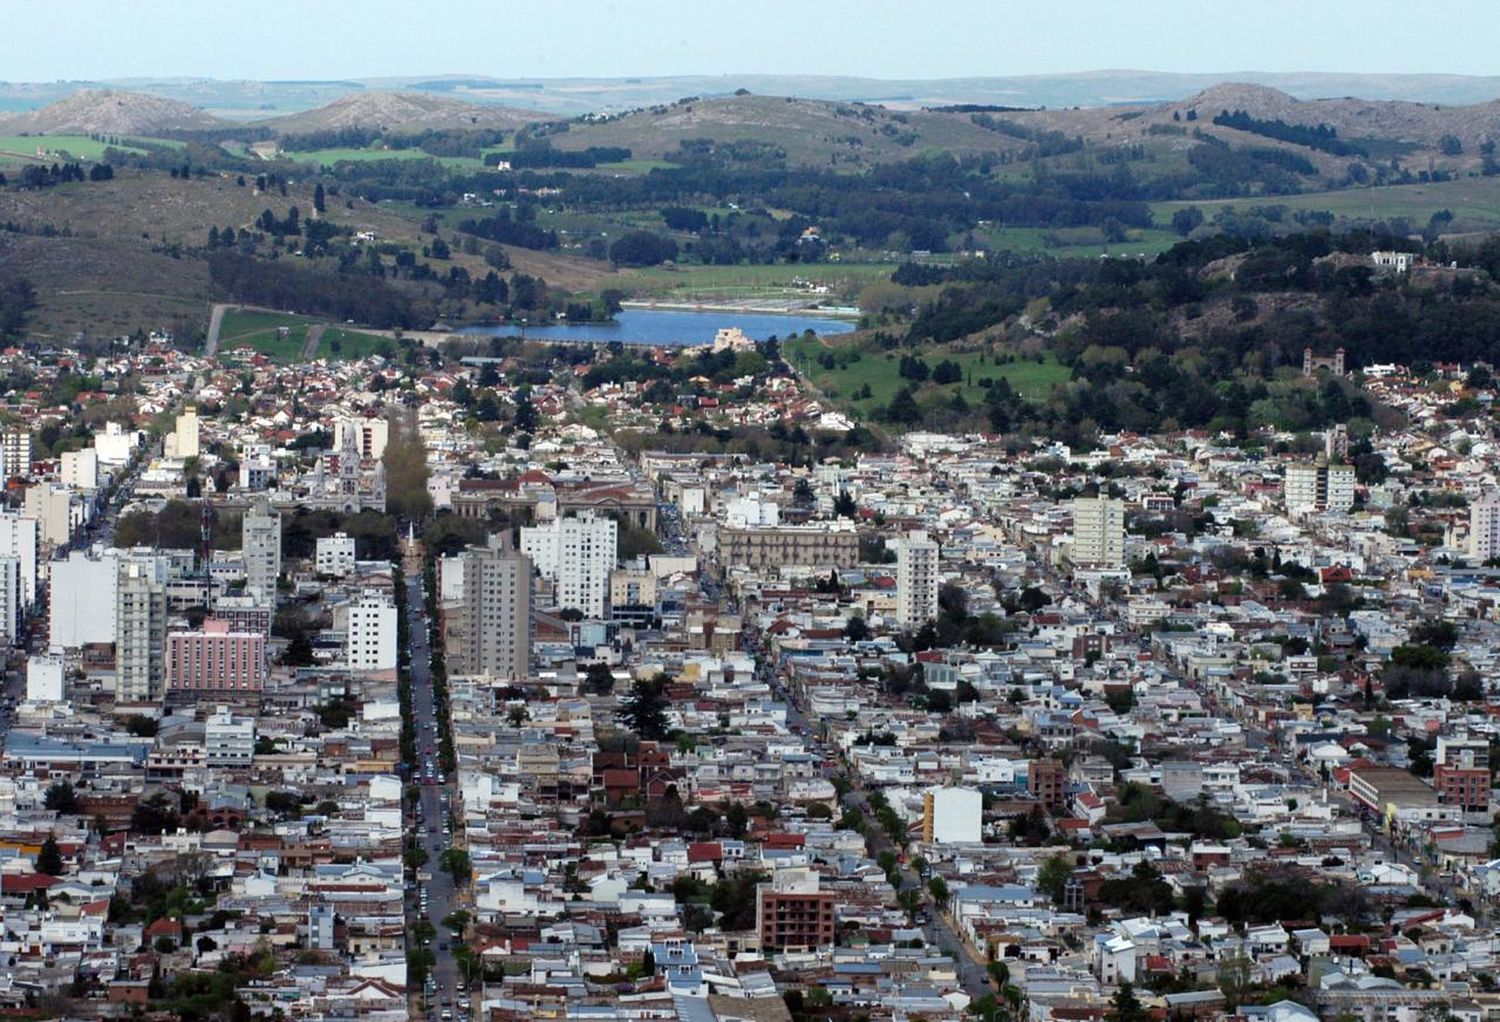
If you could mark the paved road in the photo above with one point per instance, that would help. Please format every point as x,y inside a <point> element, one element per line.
<point>938,931</point>
<point>314,337</point>
<point>215,324</point>
<point>442,897</point>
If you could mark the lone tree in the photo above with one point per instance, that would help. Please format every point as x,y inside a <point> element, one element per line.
<point>599,679</point>
<point>49,859</point>
<point>61,798</point>
<point>645,709</point>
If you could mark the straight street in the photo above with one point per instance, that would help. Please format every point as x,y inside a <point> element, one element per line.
<point>938,931</point>
<point>432,818</point>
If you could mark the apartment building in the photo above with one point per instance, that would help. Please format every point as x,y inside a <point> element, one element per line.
<point>916,579</point>
<point>334,555</point>
<point>497,626</point>
<point>370,633</point>
<point>260,546</point>
<point>215,660</point>
<point>1319,487</point>
<point>792,913</point>
<point>140,632</point>
<point>577,555</point>
<point>1099,532</point>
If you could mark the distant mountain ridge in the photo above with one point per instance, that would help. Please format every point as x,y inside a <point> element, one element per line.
<point>254,100</point>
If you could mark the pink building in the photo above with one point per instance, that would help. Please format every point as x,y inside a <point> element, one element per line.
<point>215,660</point>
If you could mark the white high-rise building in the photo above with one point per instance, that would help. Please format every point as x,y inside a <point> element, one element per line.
<point>140,631</point>
<point>953,816</point>
<point>370,436</point>
<point>497,613</point>
<point>260,546</point>
<point>57,511</point>
<point>916,579</point>
<point>335,555</point>
<point>187,433</point>
<point>1484,528</point>
<point>81,599</point>
<point>1319,487</point>
<point>370,634</point>
<point>80,469</point>
<point>10,599</point>
<point>1099,532</point>
<point>19,538</point>
<point>15,454</point>
<point>576,555</point>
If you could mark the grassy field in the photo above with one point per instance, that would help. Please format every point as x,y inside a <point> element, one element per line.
<point>854,369</point>
<point>1469,199</point>
<point>262,332</point>
<point>339,342</point>
<point>18,149</point>
<point>328,157</point>
<point>1076,243</point>
<point>845,279</point>
<point>636,166</point>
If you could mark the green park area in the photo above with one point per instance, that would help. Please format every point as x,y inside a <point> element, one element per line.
<point>863,378</point>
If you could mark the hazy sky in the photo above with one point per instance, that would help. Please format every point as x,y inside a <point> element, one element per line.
<point>263,39</point>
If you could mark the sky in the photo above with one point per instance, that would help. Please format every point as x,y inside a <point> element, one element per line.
<point>324,39</point>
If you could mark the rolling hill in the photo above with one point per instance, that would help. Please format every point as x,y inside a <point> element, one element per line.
<point>107,112</point>
<point>808,131</point>
<point>411,111</point>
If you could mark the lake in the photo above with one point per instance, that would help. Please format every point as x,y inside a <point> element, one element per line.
<point>672,327</point>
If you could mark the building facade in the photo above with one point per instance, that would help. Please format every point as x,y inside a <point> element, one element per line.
<point>260,546</point>
<point>15,454</point>
<point>576,555</point>
<point>952,816</point>
<point>140,633</point>
<point>20,538</point>
<point>1099,532</point>
<point>81,600</point>
<point>370,634</point>
<point>215,660</point>
<point>335,555</point>
<point>814,546</point>
<point>497,625</point>
<point>792,913</point>
<point>228,739</point>
<point>1319,487</point>
<point>916,580</point>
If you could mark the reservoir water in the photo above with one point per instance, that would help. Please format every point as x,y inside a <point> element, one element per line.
<point>672,327</point>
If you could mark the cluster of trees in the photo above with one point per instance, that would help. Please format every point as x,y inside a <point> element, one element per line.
<point>642,248</point>
<point>1140,803</point>
<point>38,175</point>
<point>283,285</point>
<point>466,142</point>
<point>1319,136</point>
<point>1269,897</point>
<point>1043,142</point>
<point>508,230</point>
<point>540,154</point>
<point>17,299</point>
